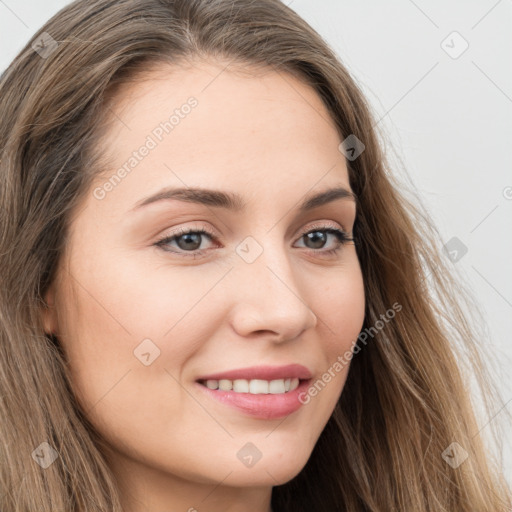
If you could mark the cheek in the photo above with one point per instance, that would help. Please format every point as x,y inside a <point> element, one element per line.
<point>126,381</point>
<point>340,309</point>
<point>128,330</point>
<point>150,297</point>
<point>116,328</point>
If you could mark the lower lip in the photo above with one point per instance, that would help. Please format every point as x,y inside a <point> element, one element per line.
<point>264,406</point>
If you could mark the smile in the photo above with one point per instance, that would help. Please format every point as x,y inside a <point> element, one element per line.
<point>253,386</point>
<point>264,392</point>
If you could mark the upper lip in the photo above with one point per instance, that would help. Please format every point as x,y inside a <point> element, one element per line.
<point>262,372</point>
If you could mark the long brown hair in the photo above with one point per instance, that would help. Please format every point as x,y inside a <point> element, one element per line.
<point>406,398</point>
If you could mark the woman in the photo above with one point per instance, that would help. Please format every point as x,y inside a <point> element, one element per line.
<point>214,296</point>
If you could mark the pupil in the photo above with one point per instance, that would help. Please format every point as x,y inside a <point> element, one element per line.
<point>318,238</point>
<point>196,241</point>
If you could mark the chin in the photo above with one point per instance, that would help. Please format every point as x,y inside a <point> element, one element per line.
<point>264,476</point>
<point>271,469</point>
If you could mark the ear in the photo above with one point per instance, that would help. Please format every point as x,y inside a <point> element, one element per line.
<point>49,312</point>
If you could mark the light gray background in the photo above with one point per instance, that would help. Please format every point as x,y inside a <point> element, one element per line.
<point>449,119</point>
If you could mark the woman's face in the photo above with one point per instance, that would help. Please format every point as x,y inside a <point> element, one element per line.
<point>143,323</point>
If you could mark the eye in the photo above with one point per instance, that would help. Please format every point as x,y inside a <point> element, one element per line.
<point>318,238</point>
<point>189,240</point>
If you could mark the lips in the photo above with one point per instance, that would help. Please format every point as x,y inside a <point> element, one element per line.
<point>259,403</point>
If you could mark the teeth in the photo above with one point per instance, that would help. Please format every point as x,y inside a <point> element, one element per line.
<point>254,386</point>
<point>276,386</point>
<point>212,384</point>
<point>241,386</point>
<point>258,387</point>
<point>225,385</point>
<point>294,384</point>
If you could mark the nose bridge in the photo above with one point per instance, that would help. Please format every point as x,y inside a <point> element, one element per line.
<point>269,292</point>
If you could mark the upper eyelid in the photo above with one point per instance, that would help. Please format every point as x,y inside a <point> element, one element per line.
<point>210,232</point>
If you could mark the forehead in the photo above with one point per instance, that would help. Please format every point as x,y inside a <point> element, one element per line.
<point>248,130</point>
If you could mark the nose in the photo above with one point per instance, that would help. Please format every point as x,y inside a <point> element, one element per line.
<point>269,301</point>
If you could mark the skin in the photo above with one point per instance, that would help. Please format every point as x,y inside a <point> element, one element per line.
<point>268,137</point>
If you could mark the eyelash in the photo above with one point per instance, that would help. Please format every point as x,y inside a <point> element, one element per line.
<point>342,237</point>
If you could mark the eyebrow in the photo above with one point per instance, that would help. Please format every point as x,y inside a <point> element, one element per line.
<point>234,202</point>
